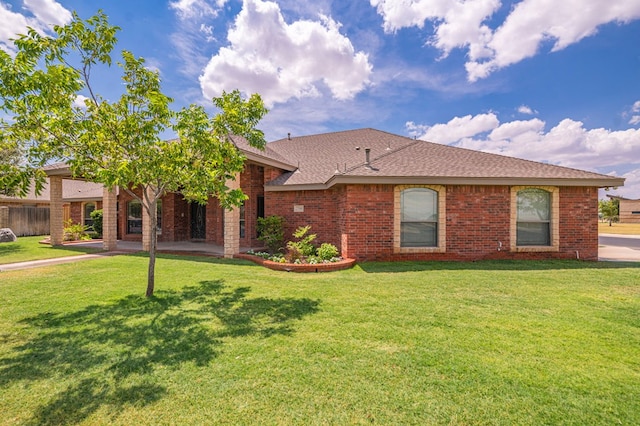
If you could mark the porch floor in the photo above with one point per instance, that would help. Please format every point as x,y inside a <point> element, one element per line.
<point>169,246</point>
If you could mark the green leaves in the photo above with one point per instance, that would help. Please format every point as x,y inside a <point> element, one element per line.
<point>115,142</point>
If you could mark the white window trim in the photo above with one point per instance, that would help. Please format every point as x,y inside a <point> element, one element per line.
<point>555,220</point>
<point>397,220</point>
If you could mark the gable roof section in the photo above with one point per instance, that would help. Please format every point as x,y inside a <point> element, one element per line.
<point>333,158</point>
<point>267,156</point>
<point>72,190</point>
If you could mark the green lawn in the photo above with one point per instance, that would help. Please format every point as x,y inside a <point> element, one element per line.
<point>619,228</point>
<point>29,248</point>
<point>228,342</point>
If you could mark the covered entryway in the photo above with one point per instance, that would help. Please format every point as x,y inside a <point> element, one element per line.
<point>198,221</point>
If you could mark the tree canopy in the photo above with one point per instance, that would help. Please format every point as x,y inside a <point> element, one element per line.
<point>52,112</point>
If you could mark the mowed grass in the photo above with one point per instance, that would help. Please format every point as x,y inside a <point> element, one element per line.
<point>228,342</point>
<point>619,228</point>
<point>29,248</point>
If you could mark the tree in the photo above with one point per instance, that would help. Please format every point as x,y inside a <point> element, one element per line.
<point>117,142</point>
<point>609,209</point>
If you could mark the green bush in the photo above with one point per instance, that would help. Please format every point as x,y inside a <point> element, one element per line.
<point>271,232</point>
<point>75,231</point>
<point>302,247</point>
<point>96,215</point>
<point>327,251</point>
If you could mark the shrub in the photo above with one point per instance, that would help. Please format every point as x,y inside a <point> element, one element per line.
<point>271,232</point>
<point>302,247</point>
<point>327,251</point>
<point>96,215</point>
<point>75,231</point>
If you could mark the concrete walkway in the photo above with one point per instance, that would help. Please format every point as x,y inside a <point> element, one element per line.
<point>124,247</point>
<point>56,261</point>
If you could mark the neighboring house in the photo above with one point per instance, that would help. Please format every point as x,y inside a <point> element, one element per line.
<point>629,209</point>
<point>29,215</point>
<point>380,196</point>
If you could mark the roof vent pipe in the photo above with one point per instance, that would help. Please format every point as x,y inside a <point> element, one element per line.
<point>367,154</point>
<point>289,136</point>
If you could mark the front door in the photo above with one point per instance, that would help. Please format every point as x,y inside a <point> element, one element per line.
<point>198,221</point>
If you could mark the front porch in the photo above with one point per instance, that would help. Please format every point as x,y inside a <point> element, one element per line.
<point>230,220</point>
<point>182,247</point>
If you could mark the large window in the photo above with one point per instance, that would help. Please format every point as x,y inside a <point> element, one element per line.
<point>419,214</point>
<point>535,224</point>
<point>534,217</point>
<point>134,217</point>
<point>419,222</point>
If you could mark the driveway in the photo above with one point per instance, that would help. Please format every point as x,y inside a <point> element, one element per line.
<point>624,248</point>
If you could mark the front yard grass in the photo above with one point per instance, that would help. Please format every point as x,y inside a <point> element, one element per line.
<point>228,342</point>
<point>619,228</point>
<point>29,248</point>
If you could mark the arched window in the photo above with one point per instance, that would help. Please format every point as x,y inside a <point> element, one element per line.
<point>419,217</point>
<point>534,217</point>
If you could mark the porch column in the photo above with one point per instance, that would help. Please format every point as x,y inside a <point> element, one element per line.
<point>146,224</point>
<point>56,217</point>
<point>109,220</point>
<point>232,224</point>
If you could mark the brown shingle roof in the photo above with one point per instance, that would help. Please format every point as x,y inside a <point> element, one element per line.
<point>332,158</point>
<point>266,156</point>
<point>72,190</point>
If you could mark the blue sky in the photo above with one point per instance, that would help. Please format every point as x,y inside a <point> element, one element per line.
<point>552,81</point>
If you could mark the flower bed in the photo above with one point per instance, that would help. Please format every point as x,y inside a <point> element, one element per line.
<point>298,267</point>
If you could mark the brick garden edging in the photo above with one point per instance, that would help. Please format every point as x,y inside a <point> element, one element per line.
<point>295,267</point>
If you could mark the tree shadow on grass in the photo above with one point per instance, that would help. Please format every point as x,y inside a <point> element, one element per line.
<point>104,356</point>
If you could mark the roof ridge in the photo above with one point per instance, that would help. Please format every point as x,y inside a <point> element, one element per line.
<point>291,137</point>
<point>385,154</point>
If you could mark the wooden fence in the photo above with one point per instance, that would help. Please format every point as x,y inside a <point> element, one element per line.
<point>25,221</point>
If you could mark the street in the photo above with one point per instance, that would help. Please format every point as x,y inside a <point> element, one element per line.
<point>632,242</point>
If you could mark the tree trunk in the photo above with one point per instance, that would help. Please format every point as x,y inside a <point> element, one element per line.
<point>153,215</point>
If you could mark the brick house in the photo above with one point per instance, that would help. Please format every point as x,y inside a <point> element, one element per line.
<point>380,196</point>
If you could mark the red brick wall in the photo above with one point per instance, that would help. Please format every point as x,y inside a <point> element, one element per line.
<point>478,219</point>
<point>252,184</point>
<point>215,222</point>
<point>76,211</point>
<point>175,218</point>
<point>368,231</point>
<point>579,222</point>
<point>359,220</point>
<point>323,211</point>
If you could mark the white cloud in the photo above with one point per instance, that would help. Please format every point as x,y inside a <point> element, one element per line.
<point>79,102</point>
<point>631,188</point>
<point>635,117</point>
<point>524,109</point>
<point>568,144</point>
<point>283,61</point>
<point>457,128</point>
<point>46,13</point>
<point>189,9</point>
<point>207,30</point>
<point>529,23</point>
